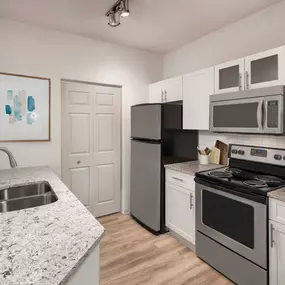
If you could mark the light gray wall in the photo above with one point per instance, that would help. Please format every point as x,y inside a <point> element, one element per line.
<point>258,32</point>
<point>41,52</point>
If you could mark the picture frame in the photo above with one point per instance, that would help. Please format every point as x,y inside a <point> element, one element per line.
<point>25,108</point>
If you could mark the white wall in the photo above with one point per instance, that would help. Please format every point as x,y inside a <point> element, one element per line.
<point>40,52</point>
<point>258,32</point>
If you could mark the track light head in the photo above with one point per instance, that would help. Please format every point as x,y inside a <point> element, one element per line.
<point>120,8</point>
<point>114,20</point>
<point>125,12</point>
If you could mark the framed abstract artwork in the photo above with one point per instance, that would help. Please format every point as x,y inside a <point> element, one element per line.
<point>24,108</point>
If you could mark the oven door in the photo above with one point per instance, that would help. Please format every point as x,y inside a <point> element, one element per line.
<point>237,223</point>
<point>237,116</point>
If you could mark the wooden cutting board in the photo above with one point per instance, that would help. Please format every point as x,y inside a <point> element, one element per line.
<point>224,148</point>
<point>215,155</point>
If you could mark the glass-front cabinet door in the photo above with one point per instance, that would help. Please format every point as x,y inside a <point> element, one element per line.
<point>265,69</point>
<point>229,76</point>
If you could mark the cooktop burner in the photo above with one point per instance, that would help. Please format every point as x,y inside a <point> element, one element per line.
<point>233,170</point>
<point>255,184</point>
<point>220,174</point>
<point>270,180</point>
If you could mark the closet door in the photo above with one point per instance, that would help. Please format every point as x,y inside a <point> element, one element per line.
<point>91,145</point>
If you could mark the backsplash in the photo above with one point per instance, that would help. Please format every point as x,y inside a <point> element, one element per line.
<point>208,139</point>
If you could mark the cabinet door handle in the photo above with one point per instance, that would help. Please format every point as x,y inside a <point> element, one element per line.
<point>191,201</point>
<point>178,179</point>
<point>239,83</point>
<point>165,92</point>
<point>162,96</point>
<point>247,79</point>
<point>272,232</point>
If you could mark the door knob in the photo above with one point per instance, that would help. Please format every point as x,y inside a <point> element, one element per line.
<point>78,162</point>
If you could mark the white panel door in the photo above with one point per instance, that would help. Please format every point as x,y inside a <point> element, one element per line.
<point>230,76</point>
<point>173,89</point>
<point>265,69</point>
<point>276,253</point>
<point>91,145</point>
<point>197,88</point>
<point>76,139</point>
<point>106,151</point>
<point>180,214</point>
<point>156,92</point>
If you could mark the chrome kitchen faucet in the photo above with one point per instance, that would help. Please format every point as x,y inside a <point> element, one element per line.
<point>12,159</point>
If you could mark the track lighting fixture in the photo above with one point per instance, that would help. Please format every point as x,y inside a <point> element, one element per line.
<point>114,20</point>
<point>119,9</point>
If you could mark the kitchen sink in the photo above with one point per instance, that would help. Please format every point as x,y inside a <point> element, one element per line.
<point>26,196</point>
<point>25,190</point>
<point>27,202</point>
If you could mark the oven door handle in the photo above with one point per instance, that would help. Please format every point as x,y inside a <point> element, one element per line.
<point>259,114</point>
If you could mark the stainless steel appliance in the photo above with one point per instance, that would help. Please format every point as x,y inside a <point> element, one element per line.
<point>157,139</point>
<point>252,111</point>
<point>232,212</point>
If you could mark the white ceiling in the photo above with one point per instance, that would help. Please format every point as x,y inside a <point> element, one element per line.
<point>155,25</point>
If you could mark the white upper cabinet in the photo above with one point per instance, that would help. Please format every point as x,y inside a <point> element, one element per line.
<point>173,89</point>
<point>265,69</point>
<point>229,76</point>
<point>156,92</point>
<point>166,91</point>
<point>197,88</point>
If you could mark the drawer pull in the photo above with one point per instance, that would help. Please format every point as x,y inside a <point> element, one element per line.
<point>178,179</point>
<point>78,162</point>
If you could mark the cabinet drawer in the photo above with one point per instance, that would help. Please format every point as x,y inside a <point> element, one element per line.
<point>277,210</point>
<point>181,179</point>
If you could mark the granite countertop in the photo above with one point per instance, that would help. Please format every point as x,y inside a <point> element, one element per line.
<point>191,167</point>
<point>44,245</point>
<point>278,194</point>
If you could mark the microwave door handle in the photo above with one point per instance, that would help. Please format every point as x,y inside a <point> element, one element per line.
<point>259,115</point>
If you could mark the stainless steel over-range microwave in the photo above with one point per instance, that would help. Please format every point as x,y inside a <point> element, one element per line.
<point>256,111</point>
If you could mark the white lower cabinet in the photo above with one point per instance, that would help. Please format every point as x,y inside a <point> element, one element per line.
<point>276,242</point>
<point>180,211</point>
<point>277,254</point>
<point>88,273</point>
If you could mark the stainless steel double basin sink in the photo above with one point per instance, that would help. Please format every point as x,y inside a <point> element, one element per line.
<point>26,196</point>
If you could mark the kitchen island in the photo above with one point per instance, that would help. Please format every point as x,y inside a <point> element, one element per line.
<point>47,244</point>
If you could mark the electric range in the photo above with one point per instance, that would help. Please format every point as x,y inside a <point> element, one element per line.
<point>232,212</point>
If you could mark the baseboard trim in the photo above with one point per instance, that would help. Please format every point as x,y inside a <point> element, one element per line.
<point>182,240</point>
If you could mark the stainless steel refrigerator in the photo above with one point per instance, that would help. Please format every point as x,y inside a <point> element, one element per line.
<point>157,139</point>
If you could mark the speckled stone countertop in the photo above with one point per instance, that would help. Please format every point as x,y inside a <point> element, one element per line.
<point>191,167</point>
<point>44,245</point>
<point>278,194</point>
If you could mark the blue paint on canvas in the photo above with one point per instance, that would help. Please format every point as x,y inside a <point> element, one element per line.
<point>31,104</point>
<point>17,108</point>
<point>8,110</point>
<point>10,95</point>
<point>30,118</point>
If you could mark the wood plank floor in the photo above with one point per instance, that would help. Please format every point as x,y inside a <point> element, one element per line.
<point>130,255</point>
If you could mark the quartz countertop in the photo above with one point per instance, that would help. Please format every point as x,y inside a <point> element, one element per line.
<point>278,194</point>
<point>191,167</point>
<point>44,245</point>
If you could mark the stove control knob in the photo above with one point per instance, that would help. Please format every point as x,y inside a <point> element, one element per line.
<point>234,151</point>
<point>241,152</point>
<point>277,157</point>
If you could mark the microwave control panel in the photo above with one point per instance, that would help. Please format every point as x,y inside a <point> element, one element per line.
<point>272,114</point>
